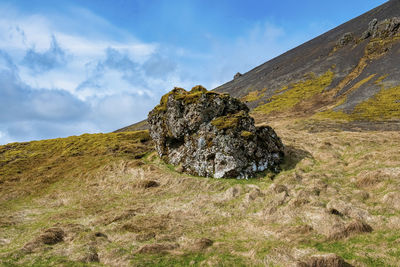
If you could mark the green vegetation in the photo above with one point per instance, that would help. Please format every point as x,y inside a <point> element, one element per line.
<point>247,134</point>
<point>289,96</point>
<point>362,82</point>
<point>350,249</point>
<point>228,121</point>
<point>333,115</point>
<point>92,186</point>
<point>254,95</point>
<point>49,160</point>
<point>385,105</point>
<point>188,97</point>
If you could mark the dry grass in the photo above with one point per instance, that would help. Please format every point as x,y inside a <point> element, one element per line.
<point>116,210</point>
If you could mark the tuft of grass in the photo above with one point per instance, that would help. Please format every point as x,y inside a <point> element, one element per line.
<point>288,97</point>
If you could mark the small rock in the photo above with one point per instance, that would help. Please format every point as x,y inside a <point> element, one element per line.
<point>346,39</point>
<point>371,29</point>
<point>237,75</point>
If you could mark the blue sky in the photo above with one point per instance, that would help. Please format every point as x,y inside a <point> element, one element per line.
<point>69,67</point>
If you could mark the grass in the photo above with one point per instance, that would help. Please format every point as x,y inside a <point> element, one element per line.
<point>362,248</point>
<point>36,163</point>
<point>92,187</point>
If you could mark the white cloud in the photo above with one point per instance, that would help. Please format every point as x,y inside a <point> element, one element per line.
<point>75,73</point>
<point>35,32</point>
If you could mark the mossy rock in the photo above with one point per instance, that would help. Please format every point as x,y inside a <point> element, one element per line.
<point>188,97</point>
<point>228,121</point>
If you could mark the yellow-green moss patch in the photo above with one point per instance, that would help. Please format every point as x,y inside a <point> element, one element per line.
<point>380,79</point>
<point>254,95</point>
<point>188,97</point>
<point>333,115</point>
<point>297,92</point>
<point>362,82</point>
<point>228,121</point>
<point>18,158</point>
<point>247,134</point>
<point>384,105</point>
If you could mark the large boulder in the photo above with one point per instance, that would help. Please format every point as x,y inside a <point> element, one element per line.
<point>211,134</point>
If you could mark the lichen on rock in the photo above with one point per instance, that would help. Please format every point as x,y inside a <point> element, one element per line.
<point>211,134</point>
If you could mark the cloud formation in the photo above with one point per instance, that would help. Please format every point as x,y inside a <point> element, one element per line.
<point>75,72</point>
<point>50,59</point>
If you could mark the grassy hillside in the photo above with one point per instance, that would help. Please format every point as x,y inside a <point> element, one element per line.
<point>107,200</point>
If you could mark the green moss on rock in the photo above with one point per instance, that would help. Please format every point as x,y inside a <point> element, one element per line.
<point>247,134</point>
<point>228,121</point>
<point>188,97</point>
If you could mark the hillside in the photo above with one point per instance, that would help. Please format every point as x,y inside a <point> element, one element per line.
<point>107,200</point>
<point>350,73</point>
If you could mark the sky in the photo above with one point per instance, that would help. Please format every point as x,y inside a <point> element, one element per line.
<point>69,67</point>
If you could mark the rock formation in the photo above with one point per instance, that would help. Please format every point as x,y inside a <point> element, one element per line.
<point>211,134</point>
<point>347,38</point>
<point>237,75</point>
<point>382,29</point>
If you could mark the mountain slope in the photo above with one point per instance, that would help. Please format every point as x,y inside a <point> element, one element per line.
<point>340,75</point>
<point>340,71</point>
